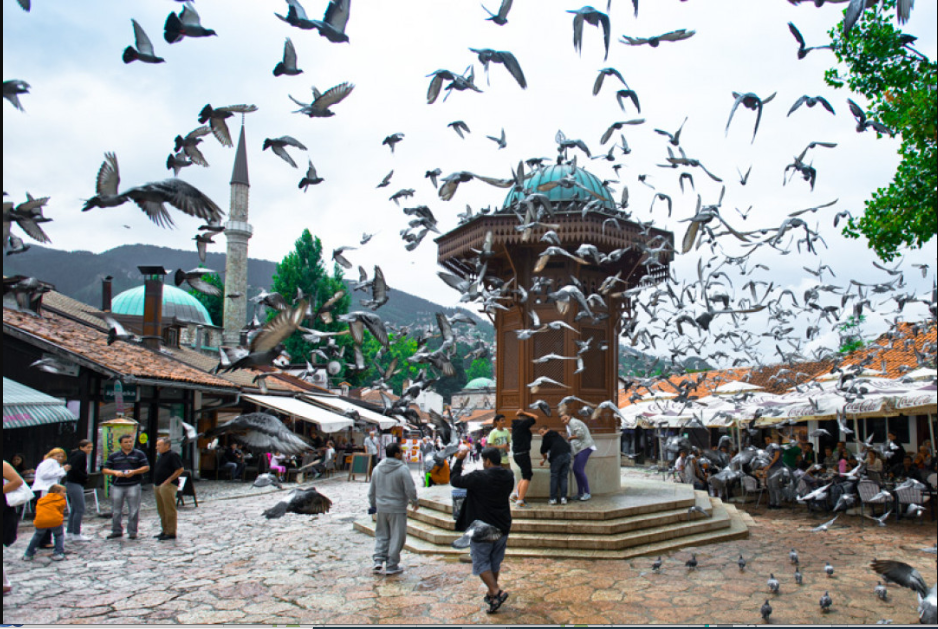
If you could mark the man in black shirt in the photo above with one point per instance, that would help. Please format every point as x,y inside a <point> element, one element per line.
<point>896,452</point>
<point>487,492</point>
<point>127,465</point>
<point>521,451</point>
<point>556,449</point>
<point>167,469</point>
<point>905,470</point>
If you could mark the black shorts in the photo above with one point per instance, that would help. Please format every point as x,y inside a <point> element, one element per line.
<point>524,463</point>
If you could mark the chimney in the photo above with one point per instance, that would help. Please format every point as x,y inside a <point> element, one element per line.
<point>107,290</point>
<point>199,338</point>
<point>153,306</point>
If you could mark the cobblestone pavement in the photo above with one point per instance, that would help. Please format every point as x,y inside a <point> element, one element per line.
<point>230,565</point>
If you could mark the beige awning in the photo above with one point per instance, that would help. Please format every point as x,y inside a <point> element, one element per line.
<point>327,421</point>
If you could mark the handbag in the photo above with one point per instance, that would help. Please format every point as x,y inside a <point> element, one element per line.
<point>19,496</point>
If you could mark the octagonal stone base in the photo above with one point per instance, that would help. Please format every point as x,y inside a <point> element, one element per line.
<point>603,470</point>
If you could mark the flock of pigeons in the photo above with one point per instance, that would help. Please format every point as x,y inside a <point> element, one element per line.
<point>674,318</point>
<point>728,472</point>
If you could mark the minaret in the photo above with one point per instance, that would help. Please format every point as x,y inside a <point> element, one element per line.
<point>238,231</point>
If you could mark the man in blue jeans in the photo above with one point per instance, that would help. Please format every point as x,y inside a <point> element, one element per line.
<point>127,466</point>
<point>555,449</point>
<point>487,492</point>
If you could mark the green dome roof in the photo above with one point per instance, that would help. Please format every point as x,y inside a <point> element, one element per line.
<point>559,193</point>
<point>480,383</point>
<point>177,304</point>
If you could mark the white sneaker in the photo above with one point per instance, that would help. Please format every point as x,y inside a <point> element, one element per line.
<point>563,501</point>
<point>585,497</point>
<point>79,537</point>
<point>552,502</point>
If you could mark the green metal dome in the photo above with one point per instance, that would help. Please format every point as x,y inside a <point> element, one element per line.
<point>563,194</point>
<point>177,304</point>
<point>480,383</point>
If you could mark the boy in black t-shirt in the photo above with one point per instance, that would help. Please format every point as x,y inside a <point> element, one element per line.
<point>521,452</point>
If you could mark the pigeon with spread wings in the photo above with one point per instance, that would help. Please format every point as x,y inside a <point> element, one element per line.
<point>151,197</point>
<point>216,116</point>
<point>263,432</point>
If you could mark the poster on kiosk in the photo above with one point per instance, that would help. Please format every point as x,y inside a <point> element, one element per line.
<point>111,432</point>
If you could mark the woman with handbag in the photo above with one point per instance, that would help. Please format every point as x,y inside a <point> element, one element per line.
<point>11,483</point>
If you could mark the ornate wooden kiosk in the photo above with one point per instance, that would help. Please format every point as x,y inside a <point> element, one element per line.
<point>583,213</point>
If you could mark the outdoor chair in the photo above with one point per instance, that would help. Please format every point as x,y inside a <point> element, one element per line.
<point>219,463</point>
<point>867,489</point>
<point>910,496</point>
<point>804,489</point>
<point>303,469</point>
<point>95,482</point>
<point>751,485</point>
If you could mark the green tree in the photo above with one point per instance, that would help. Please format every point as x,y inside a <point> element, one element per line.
<point>215,304</point>
<point>851,337</point>
<point>401,348</point>
<point>480,368</point>
<point>304,269</point>
<point>900,86</point>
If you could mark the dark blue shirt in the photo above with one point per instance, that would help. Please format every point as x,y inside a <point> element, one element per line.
<point>120,462</point>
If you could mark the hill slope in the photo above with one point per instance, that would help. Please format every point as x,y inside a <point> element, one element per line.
<point>78,274</point>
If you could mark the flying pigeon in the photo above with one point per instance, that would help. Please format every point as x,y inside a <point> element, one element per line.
<point>151,197</point>
<point>144,47</point>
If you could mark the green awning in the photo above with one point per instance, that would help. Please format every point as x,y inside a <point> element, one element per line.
<point>23,407</point>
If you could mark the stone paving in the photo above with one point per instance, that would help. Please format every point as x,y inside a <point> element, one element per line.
<point>230,565</point>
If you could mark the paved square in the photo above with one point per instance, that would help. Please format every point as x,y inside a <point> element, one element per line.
<point>231,565</point>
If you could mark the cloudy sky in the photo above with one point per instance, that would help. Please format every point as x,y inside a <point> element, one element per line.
<point>85,101</point>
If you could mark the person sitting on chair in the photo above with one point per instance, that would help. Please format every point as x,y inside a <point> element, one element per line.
<point>328,460</point>
<point>277,464</point>
<point>234,461</point>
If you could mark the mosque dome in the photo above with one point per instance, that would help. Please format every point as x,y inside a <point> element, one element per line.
<point>177,304</point>
<point>479,383</point>
<point>562,194</point>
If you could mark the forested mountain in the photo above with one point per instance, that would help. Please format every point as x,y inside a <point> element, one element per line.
<point>78,274</point>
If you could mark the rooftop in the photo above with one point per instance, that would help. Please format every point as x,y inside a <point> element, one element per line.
<point>88,346</point>
<point>587,186</point>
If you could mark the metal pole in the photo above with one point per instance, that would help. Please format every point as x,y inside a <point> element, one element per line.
<point>931,430</point>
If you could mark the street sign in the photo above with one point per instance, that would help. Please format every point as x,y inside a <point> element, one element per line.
<point>130,391</point>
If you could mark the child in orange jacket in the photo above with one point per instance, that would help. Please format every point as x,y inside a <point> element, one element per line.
<point>50,516</point>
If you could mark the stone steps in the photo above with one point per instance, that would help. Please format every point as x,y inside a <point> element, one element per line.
<point>638,525</point>
<point>533,520</point>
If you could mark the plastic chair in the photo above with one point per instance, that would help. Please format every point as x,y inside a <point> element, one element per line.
<point>909,496</point>
<point>867,490</point>
<point>751,484</point>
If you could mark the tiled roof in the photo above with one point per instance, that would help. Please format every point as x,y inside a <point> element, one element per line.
<point>892,353</point>
<point>89,344</point>
<point>482,415</point>
<point>242,377</point>
<point>772,378</point>
<point>74,309</point>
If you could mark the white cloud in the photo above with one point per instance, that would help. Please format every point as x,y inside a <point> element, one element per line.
<point>85,101</point>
